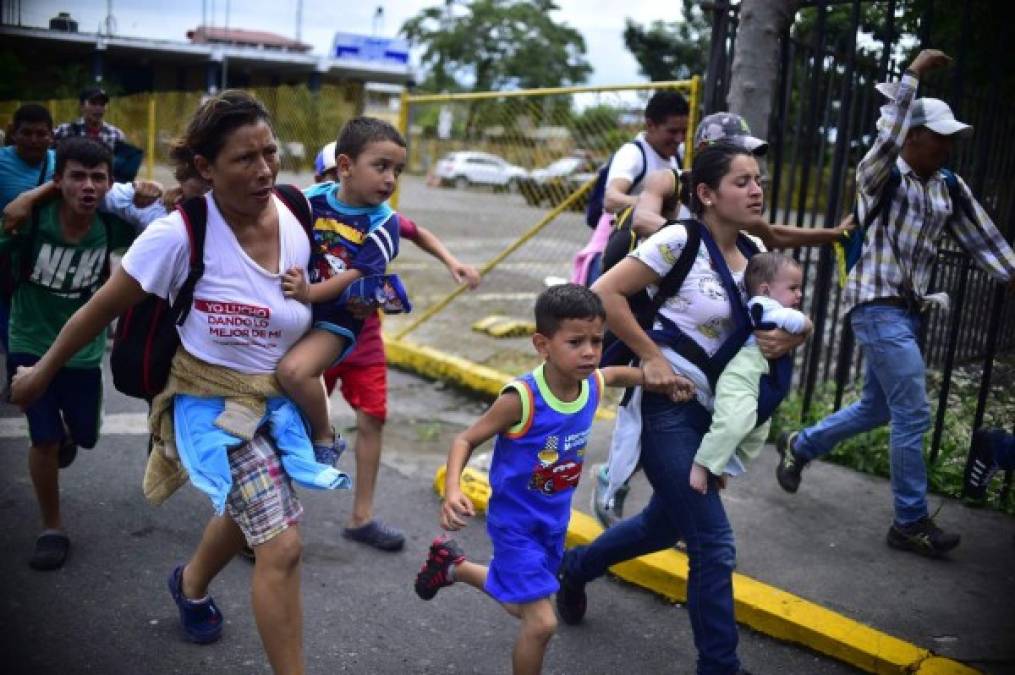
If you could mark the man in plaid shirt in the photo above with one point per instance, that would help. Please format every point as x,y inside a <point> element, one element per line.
<point>886,293</point>
<point>93,108</point>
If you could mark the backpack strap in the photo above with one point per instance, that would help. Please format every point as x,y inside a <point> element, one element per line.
<point>960,201</point>
<point>42,173</point>
<point>885,198</point>
<point>109,247</point>
<point>195,219</point>
<point>297,204</point>
<point>644,164</point>
<point>674,279</point>
<point>26,262</point>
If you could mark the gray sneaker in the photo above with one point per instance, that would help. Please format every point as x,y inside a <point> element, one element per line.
<point>608,512</point>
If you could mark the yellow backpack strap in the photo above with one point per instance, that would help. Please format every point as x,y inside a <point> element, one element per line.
<point>623,218</point>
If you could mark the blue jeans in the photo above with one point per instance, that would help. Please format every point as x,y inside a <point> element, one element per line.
<point>895,391</point>
<point>670,437</point>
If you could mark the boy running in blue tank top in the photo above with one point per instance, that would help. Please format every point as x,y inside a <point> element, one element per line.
<point>542,422</point>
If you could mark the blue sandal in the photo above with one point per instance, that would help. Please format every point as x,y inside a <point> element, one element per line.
<point>376,534</point>
<point>50,552</point>
<point>201,620</point>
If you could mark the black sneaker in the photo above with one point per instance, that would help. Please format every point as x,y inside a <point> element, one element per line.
<point>790,464</point>
<point>68,449</point>
<point>923,537</point>
<point>980,468</point>
<point>571,599</point>
<point>435,572</point>
<point>68,452</point>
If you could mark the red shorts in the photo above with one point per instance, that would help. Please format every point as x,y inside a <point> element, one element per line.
<point>363,387</point>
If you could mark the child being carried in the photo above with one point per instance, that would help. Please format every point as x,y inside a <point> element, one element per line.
<point>774,282</point>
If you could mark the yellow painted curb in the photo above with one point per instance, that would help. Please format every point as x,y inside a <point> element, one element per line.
<point>499,326</point>
<point>438,365</point>
<point>764,608</point>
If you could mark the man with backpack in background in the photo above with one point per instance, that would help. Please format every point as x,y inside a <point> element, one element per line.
<point>622,179</point>
<point>59,260</point>
<point>902,181</point>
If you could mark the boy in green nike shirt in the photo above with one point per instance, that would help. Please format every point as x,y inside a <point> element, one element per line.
<point>59,260</point>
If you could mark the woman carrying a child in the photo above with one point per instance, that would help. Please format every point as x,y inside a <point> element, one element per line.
<point>222,412</point>
<point>697,330</point>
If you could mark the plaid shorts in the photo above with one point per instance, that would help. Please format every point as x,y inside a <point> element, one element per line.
<point>261,501</point>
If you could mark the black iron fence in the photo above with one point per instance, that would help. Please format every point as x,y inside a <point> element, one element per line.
<point>822,123</point>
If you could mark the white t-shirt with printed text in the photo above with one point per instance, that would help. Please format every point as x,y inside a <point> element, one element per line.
<point>239,318</point>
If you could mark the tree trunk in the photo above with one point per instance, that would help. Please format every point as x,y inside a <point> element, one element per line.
<point>756,60</point>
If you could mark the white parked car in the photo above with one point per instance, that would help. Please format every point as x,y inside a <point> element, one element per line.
<point>463,169</point>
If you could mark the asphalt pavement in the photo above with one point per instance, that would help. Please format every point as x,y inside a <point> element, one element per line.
<point>107,611</point>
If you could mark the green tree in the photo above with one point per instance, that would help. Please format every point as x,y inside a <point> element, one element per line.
<point>488,45</point>
<point>671,50</point>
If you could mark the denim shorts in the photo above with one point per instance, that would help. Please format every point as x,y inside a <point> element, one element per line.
<point>74,398</point>
<point>339,321</point>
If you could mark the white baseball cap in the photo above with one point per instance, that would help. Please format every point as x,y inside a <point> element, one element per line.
<point>935,114</point>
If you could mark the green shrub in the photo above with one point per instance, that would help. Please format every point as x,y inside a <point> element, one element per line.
<point>869,452</point>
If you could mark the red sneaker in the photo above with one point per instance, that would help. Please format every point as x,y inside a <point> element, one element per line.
<point>434,574</point>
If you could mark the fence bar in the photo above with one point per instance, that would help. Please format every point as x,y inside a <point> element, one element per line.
<point>692,120</point>
<point>785,83</point>
<point>993,332</point>
<point>403,126</point>
<point>549,91</point>
<point>825,262</point>
<point>946,375</point>
<point>149,164</point>
<point>514,246</point>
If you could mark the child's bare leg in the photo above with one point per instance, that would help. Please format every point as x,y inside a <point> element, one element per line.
<point>475,575</point>
<point>472,574</point>
<point>539,623</point>
<point>299,373</point>
<point>43,465</point>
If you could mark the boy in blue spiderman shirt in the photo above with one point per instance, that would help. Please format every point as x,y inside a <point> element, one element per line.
<point>542,422</point>
<point>355,238</point>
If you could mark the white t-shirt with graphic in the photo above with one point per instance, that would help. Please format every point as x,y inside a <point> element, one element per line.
<point>700,308</point>
<point>239,318</point>
<point>627,163</point>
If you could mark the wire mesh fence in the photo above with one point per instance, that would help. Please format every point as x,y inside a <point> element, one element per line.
<point>502,179</point>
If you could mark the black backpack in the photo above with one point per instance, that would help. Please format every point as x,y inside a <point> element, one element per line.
<point>146,335</point>
<point>594,208</point>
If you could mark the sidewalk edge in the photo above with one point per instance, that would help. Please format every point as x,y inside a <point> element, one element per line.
<point>764,608</point>
<point>435,364</point>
